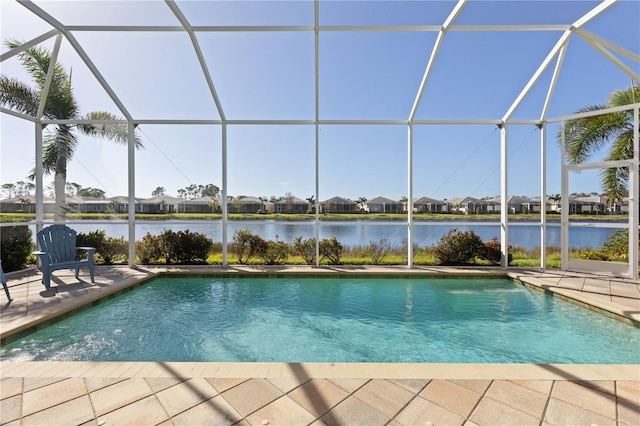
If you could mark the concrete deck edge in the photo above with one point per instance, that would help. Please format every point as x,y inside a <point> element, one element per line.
<point>571,372</point>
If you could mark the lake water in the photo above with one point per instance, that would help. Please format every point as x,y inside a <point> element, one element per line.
<point>361,233</point>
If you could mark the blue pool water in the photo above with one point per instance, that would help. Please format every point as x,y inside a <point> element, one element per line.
<point>334,320</point>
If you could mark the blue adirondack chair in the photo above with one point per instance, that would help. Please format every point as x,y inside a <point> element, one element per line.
<point>58,249</point>
<point>3,280</point>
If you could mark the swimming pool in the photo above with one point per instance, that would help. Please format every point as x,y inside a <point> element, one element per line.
<point>479,320</point>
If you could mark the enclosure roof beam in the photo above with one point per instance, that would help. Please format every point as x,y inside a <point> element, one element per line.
<point>434,53</point>
<point>72,40</point>
<point>311,28</point>
<point>196,47</point>
<point>610,56</point>
<point>594,113</point>
<point>17,114</point>
<point>554,81</point>
<point>601,7</point>
<point>27,45</point>
<point>49,78</point>
<point>606,43</point>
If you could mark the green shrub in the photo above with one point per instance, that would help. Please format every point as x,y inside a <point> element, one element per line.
<point>109,249</point>
<point>378,250</point>
<point>616,248</point>
<point>94,239</point>
<point>184,247</point>
<point>305,249</point>
<point>246,245</point>
<point>114,250</point>
<point>275,252</point>
<point>455,248</point>
<point>148,250</point>
<point>596,254</point>
<point>491,251</point>
<point>16,247</point>
<point>331,249</point>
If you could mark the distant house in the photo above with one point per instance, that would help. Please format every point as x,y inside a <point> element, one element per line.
<point>87,204</point>
<point>624,205</point>
<point>536,205</point>
<point>467,205</point>
<point>199,205</point>
<point>428,205</point>
<point>492,205</point>
<point>338,205</point>
<point>249,205</point>
<point>120,204</point>
<point>24,204</point>
<point>291,205</point>
<point>385,205</point>
<point>156,205</point>
<point>588,205</point>
<point>518,204</point>
<point>619,206</point>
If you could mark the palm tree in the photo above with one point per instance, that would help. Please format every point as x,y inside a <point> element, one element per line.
<point>60,143</point>
<point>312,203</point>
<point>586,136</point>
<point>556,199</point>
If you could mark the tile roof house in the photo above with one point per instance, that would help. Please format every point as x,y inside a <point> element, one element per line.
<point>199,205</point>
<point>120,204</point>
<point>338,205</point>
<point>163,204</point>
<point>429,205</point>
<point>466,205</point>
<point>385,205</point>
<point>24,204</point>
<point>249,205</point>
<point>291,205</point>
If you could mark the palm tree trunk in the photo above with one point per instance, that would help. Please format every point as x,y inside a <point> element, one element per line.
<point>60,181</point>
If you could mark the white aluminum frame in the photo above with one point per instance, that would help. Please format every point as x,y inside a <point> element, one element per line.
<point>558,51</point>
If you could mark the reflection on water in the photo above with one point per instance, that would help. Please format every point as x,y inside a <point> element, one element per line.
<point>359,233</point>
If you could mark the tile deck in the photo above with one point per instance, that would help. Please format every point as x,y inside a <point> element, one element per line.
<point>170,393</point>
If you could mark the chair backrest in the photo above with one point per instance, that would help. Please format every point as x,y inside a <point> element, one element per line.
<point>59,242</point>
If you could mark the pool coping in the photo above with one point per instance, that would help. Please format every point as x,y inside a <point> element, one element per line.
<point>318,370</point>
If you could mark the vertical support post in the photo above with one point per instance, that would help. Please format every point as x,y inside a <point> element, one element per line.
<point>317,202</point>
<point>543,195</point>
<point>38,174</point>
<point>316,35</point>
<point>564,203</point>
<point>504,193</point>
<point>223,201</point>
<point>131,162</point>
<point>634,197</point>
<point>410,196</point>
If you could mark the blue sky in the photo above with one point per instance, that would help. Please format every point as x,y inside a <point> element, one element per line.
<point>362,75</point>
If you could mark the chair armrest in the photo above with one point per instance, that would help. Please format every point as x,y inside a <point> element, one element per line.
<point>39,253</point>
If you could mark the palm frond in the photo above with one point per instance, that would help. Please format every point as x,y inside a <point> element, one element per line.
<point>586,136</point>
<point>60,143</point>
<point>60,101</point>
<point>36,61</point>
<point>615,182</point>
<point>624,97</point>
<point>115,132</point>
<point>18,97</point>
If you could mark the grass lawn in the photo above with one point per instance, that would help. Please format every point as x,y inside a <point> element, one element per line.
<point>27,217</point>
